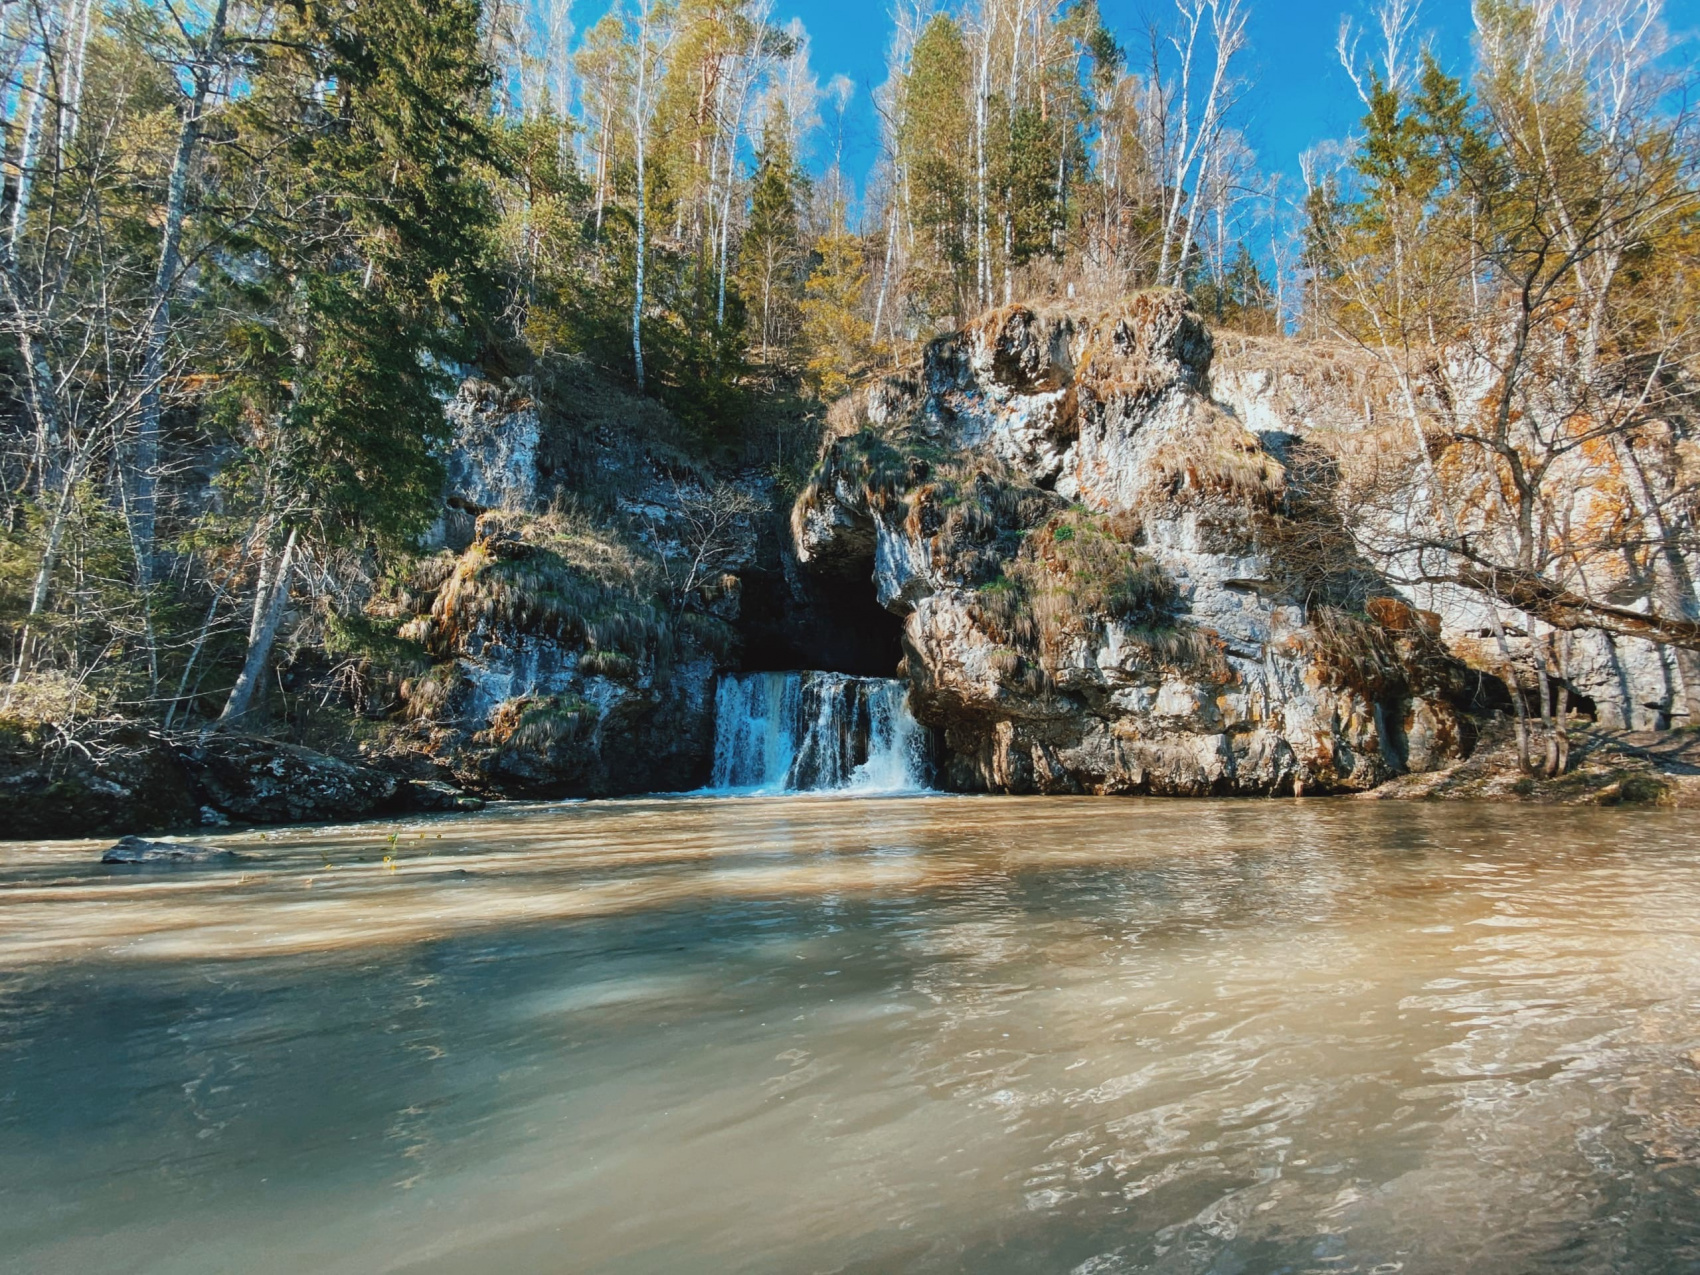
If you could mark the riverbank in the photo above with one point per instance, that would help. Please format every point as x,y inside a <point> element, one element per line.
<point>1607,768</point>
<point>129,781</point>
<point>120,778</point>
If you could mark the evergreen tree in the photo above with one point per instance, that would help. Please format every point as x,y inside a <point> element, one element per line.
<point>932,143</point>
<point>1243,301</point>
<point>837,336</point>
<point>772,254</point>
<point>376,245</point>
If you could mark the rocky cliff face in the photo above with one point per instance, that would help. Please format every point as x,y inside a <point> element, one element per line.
<point>1108,584</point>
<point>1347,404</point>
<point>560,665</point>
<point>586,589</point>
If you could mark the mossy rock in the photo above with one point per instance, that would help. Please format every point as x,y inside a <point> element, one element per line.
<point>1636,789</point>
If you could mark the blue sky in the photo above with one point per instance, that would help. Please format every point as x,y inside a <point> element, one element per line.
<point>1297,94</point>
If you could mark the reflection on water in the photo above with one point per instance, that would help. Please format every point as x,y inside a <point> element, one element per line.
<point>935,1034</point>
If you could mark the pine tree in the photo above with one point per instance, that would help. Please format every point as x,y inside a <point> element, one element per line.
<point>772,255</point>
<point>932,143</point>
<point>377,246</point>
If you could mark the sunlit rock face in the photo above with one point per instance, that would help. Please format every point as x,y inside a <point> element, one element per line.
<point>1346,402</point>
<point>1109,584</point>
<point>492,460</point>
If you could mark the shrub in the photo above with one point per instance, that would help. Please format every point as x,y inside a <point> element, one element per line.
<point>555,577</point>
<point>539,724</point>
<point>1214,456</point>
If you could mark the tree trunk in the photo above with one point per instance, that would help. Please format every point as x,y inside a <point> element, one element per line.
<point>722,245</point>
<point>269,606</point>
<point>885,272</point>
<point>982,249</point>
<point>205,633</point>
<point>43,578</point>
<point>1561,739</point>
<point>70,110</point>
<point>32,139</point>
<point>1543,684</point>
<point>1519,706</point>
<point>144,505</point>
<point>40,389</point>
<point>638,121</point>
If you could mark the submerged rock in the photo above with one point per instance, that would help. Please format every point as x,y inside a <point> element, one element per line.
<point>139,850</point>
<point>1108,585</point>
<point>435,795</point>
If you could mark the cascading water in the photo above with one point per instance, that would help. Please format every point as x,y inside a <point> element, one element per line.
<point>805,732</point>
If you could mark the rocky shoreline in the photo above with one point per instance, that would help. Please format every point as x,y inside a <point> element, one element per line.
<point>128,785</point>
<point>128,780</point>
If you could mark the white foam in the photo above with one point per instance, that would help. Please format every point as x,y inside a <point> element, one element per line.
<point>816,732</point>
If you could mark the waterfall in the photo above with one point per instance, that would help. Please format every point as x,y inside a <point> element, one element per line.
<point>806,732</point>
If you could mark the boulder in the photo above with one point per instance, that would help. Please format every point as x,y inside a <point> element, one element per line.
<point>264,781</point>
<point>124,780</point>
<point>137,850</point>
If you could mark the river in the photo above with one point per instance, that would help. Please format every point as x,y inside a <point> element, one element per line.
<point>932,1034</point>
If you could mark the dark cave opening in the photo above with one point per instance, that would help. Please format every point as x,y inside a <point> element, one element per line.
<point>792,618</point>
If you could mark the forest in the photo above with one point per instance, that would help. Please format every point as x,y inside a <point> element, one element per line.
<point>250,249</point>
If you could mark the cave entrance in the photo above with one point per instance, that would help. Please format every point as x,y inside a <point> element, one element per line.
<point>794,618</point>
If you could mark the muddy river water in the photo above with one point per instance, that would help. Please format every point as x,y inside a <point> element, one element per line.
<point>913,1034</point>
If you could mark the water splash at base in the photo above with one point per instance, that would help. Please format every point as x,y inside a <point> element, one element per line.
<point>814,732</point>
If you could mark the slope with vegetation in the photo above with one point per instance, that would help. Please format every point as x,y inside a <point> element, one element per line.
<point>422,385</point>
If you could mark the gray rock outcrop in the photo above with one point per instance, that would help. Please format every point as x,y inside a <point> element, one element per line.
<point>559,670</point>
<point>1108,584</point>
<point>264,781</point>
<point>1349,403</point>
<point>492,460</point>
<point>119,781</point>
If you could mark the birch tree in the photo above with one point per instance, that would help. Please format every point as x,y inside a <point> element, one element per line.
<point>652,38</point>
<point>1191,113</point>
<point>205,59</point>
<point>1484,262</point>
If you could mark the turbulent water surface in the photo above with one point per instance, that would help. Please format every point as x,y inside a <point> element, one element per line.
<point>812,1034</point>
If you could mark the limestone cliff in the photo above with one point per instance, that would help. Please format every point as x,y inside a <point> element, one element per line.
<point>1348,405</point>
<point>1108,584</point>
<point>582,596</point>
